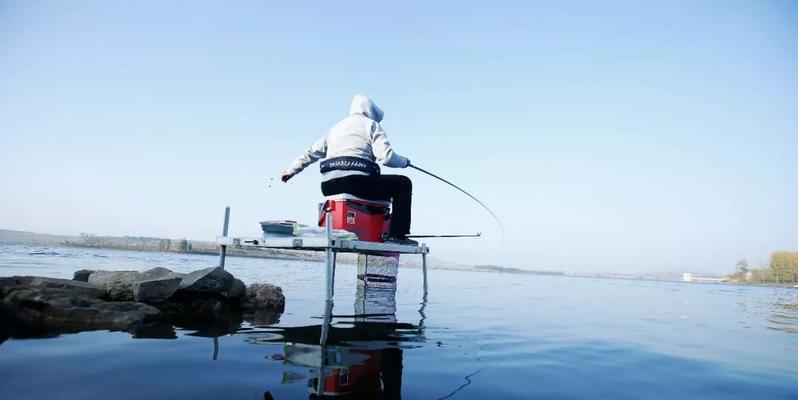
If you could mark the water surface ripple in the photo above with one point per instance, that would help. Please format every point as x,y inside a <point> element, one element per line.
<point>479,335</point>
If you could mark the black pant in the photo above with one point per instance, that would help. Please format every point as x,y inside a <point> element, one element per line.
<point>397,188</point>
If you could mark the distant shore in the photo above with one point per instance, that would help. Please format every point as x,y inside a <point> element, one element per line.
<point>187,246</point>
<point>144,243</point>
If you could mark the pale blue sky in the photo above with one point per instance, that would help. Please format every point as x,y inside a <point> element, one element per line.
<point>619,136</point>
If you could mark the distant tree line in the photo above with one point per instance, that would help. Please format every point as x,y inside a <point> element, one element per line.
<point>782,269</point>
<point>133,243</point>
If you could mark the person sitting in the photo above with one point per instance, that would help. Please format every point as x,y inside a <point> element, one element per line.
<point>351,153</point>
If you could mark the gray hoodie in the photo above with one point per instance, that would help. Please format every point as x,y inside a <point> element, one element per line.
<point>358,135</point>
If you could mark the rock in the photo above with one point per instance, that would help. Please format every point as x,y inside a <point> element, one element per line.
<point>264,297</point>
<point>82,275</point>
<point>159,284</point>
<point>11,325</point>
<point>67,284</point>
<point>155,290</point>
<point>262,318</point>
<point>8,284</point>
<point>67,310</point>
<point>214,280</point>
<point>124,315</point>
<point>238,290</point>
<point>17,282</point>
<point>160,272</point>
<point>119,284</point>
<point>211,300</point>
<point>214,314</point>
<point>263,303</point>
<point>153,285</point>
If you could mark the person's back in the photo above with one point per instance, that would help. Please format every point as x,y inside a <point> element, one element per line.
<point>352,152</point>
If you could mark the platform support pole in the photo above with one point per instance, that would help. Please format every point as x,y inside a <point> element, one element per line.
<point>325,330</point>
<point>424,270</point>
<point>330,256</point>
<point>215,348</point>
<point>223,250</point>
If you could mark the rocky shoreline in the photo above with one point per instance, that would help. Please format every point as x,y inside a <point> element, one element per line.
<point>146,304</point>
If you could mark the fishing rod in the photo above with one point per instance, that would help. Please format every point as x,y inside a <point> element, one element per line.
<point>464,192</point>
<point>445,236</point>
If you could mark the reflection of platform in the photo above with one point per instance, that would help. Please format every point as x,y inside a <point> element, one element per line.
<point>352,357</point>
<point>360,353</point>
<point>378,334</point>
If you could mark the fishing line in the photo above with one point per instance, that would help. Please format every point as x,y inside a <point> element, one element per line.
<point>464,192</point>
<point>475,235</point>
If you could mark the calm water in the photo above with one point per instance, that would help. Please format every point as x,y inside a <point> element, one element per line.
<point>479,335</point>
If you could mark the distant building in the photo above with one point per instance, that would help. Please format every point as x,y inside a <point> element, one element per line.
<point>688,277</point>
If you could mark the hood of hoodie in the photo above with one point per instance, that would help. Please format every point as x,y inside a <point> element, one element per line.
<point>364,106</point>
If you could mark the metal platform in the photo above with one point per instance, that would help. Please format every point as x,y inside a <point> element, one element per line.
<point>328,244</point>
<point>321,243</point>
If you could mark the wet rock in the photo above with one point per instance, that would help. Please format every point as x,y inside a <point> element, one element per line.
<point>211,300</point>
<point>264,297</point>
<point>155,290</point>
<point>213,314</point>
<point>262,318</point>
<point>11,325</point>
<point>123,315</point>
<point>182,307</point>
<point>119,284</point>
<point>215,281</point>
<point>10,284</point>
<point>263,304</point>
<point>67,310</point>
<point>82,275</point>
<point>35,306</point>
<point>153,285</point>
<point>160,272</point>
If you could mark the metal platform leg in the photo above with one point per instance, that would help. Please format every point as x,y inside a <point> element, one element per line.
<point>223,250</point>
<point>330,258</point>
<point>215,348</point>
<point>325,330</point>
<point>424,270</point>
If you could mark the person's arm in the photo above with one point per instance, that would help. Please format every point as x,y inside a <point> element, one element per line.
<point>314,153</point>
<point>383,151</point>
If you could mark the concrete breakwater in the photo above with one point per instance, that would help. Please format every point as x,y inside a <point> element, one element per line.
<point>146,304</point>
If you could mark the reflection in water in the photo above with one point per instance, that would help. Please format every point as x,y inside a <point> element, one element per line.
<point>683,342</point>
<point>350,356</point>
<point>784,315</point>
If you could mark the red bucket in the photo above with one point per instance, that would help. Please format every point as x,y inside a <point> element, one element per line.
<point>368,219</point>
